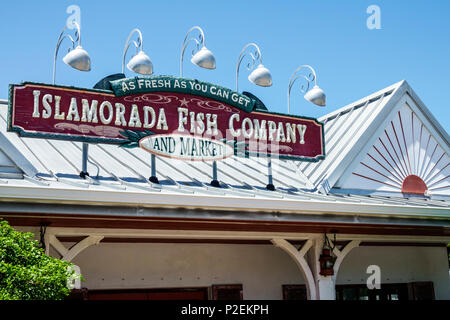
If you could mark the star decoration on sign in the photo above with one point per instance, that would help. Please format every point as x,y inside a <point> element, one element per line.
<point>184,102</point>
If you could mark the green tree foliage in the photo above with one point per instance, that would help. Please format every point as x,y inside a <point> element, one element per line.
<point>26,272</point>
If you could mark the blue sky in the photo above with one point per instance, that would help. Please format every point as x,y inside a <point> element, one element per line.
<point>351,60</point>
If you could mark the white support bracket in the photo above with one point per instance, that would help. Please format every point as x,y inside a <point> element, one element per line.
<point>57,245</point>
<point>341,254</point>
<point>299,258</point>
<point>69,254</point>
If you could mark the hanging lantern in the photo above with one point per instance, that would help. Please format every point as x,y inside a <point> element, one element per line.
<point>326,259</point>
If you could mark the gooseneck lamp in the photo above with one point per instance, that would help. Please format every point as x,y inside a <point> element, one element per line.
<point>260,75</point>
<point>314,95</point>
<point>201,57</point>
<point>77,57</point>
<point>140,62</point>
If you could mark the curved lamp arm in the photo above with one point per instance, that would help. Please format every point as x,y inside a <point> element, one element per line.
<point>200,41</point>
<point>63,36</point>
<point>305,87</point>
<point>139,44</point>
<point>256,55</point>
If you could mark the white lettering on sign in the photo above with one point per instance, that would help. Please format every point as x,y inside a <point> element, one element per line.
<point>186,147</point>
<point>151,84</point>
<point>147,117</point>
<point>130,86</point>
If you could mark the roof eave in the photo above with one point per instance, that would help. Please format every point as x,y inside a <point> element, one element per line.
<point>212,202</point>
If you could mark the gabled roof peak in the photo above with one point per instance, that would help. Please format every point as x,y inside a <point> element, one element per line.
<point>382,143</point>
<point>361,102</point>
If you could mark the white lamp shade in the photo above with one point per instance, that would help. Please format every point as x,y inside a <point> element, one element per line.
<point>316,96</point>
<point>141,64</point>
<point>78,59</point>
<point>261,76</point>
<point>204,58</point>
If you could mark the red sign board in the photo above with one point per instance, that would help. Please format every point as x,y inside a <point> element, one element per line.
<point>157,117</point>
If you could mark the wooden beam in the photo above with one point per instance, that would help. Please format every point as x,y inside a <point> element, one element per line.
<point>115,222</point>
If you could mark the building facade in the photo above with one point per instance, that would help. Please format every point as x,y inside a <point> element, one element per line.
<point>381,196</point>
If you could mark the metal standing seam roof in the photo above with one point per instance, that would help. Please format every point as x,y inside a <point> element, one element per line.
<point>43,163</point>
<point>343,128</point>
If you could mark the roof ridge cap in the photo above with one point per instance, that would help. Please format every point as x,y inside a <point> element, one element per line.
<point>363,100</point>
